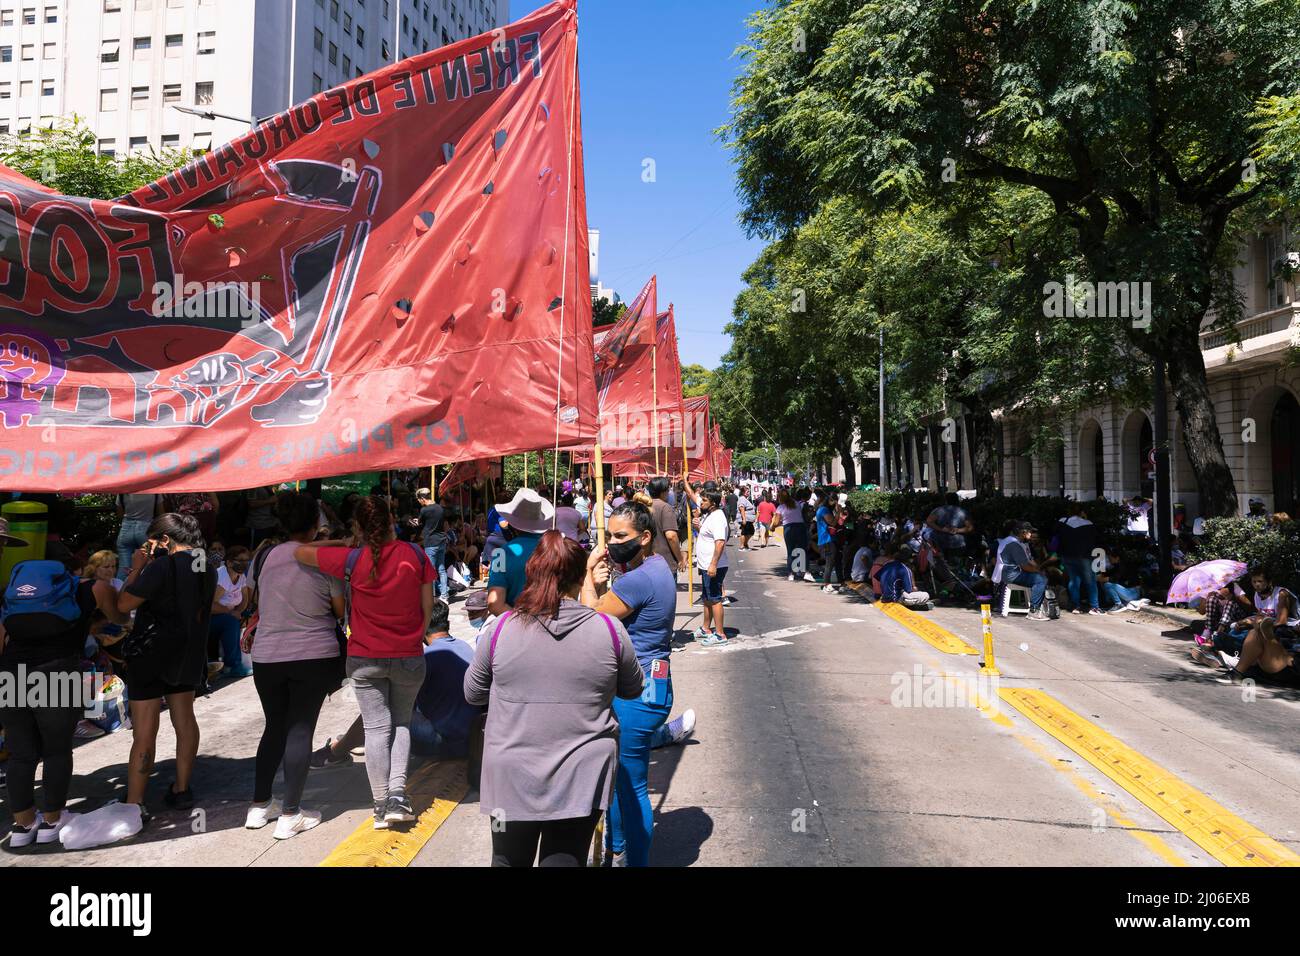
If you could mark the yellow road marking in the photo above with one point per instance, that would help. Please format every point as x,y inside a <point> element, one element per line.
<point>1211,826</point>
<point>939,637</point>
<point>444,784</point>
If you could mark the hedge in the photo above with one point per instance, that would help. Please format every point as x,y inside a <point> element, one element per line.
<point>990,514</point>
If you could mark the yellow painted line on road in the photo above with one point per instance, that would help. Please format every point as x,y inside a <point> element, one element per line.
<point>1114,815</point>
<point>939,637</point>
<point>442,784</point>
<point>1211,826</point>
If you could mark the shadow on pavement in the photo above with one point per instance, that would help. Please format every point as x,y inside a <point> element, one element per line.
<point>679,834</point>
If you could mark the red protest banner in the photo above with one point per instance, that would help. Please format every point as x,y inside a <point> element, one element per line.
<point>393,270</point>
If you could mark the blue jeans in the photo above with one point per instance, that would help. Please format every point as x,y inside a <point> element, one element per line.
<point>226,628</point>
<point>438,555</point>
<point>1082,579</point>
<point>1119,595</point>
<point>631,818</point>
<point>1036,582</point>
<point>131,536</point>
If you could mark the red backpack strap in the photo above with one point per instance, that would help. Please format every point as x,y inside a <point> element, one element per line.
<point>492,648</point>
<point>613,635</point>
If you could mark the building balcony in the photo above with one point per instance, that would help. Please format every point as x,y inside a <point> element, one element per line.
<point>1264,337</point>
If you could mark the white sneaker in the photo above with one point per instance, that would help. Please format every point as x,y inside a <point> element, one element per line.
<point>1229,660</point>
<point>681,728</point>
<point>49,832</point>
<point>809,577</point>
<point>300,822</point>
<point>790,577</point>
<point>260,816</point>
<point>619,859</point>
<point>829,589</point>
<point>20,836</point>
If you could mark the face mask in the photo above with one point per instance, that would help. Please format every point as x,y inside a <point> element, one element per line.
<point>478,624</point>
<point>622,552</point>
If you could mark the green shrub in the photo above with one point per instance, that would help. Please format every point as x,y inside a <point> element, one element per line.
<point>990,514</point>
<point>1243,539</point>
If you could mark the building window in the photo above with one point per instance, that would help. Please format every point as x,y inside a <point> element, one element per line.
<point>316,85</point>
<point>207,42</point>
<point>172,46</point>
<point>203,141</point>
<point>383,48</point>
<point>29,16</point>
<point>347,24</point>
<point>29,51</point>
<point>334,54</point>
<point>143,6</point>
<point>175,3</point>
<point>108,147</point>
<point>171,141</point>
<point>361,37</point>
<point>25,88</point>
<point>51,14</point>
<point>6,54</point>
<point>47,87</point>
<point>112,6</point>
<point>108,51</point>
<point>139,97</point>
<point>47,51</point>
<point>139,142</point>
<point>6,18</point>
<point>347,65</point>
<point>203,93</point>
<point>385,9</point>
<point>319,41</point>
<point>172,93</point>
<point>107,100</point>
<point>6,90</point>
<point>334,10</point>
<point>406,24</point>
<point>142,46</point>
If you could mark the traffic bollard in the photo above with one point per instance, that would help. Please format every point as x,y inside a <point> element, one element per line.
<point>987,663</point>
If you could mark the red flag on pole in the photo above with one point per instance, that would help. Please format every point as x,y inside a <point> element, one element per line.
<point>392,270</point>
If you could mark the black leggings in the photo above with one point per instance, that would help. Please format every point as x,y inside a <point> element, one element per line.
<point>39,735</point>
<point>563,842</point>
<point>292,693</point>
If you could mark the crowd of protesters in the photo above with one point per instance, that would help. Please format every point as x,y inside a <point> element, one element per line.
<point>567,687</point>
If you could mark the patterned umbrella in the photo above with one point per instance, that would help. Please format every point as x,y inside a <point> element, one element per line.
<point>1196,582</point>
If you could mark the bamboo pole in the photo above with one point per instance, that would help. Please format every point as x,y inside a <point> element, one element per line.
<point>654,366</point>
<point>690,528</point>
<point>598,506</point>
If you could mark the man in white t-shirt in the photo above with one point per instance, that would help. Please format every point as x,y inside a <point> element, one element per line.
<point>711,559</point>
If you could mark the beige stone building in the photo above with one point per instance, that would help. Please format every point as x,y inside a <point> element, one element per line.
<point>1105,451</point>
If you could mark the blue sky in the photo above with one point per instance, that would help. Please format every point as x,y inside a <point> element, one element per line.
<point>656,82</point>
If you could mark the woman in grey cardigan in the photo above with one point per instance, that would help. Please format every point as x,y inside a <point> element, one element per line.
<point>549,671</point>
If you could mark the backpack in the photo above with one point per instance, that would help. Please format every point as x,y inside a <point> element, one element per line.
<point>41,587</point>
<point>251,616</point>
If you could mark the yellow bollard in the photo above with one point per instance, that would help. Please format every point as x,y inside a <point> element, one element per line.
<point>987,663</point>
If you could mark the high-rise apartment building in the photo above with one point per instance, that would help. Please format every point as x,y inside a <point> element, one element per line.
<point>122,65</point>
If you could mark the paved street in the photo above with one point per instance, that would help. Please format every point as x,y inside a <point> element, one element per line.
<point>801,758</point>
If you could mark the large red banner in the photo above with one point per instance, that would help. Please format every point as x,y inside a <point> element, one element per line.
<point>391,273</point>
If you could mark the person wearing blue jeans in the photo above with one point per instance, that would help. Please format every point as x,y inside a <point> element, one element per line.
<point>1119,596</point>
<point>1036,582</point>
<point>644,598</point>
<point>1083,582</point>
<point>132,535</point>
<point>434,537</point>
<point>1019,568</point>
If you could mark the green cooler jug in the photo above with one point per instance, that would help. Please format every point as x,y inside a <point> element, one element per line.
<point>28,520</point>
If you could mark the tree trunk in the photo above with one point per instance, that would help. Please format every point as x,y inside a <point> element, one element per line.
<point>1191,392</point>
<point>984,447</point>
<point>846,459</point>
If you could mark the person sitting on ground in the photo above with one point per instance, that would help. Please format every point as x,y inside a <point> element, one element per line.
<point>1265,658</point>
<point>897,584</point>
<point>442,720</point>
<point>887,554</point>
<point>862,560</point>
<point>1118,584</point>
<point>1273,602</point>
<point>1019,568</point>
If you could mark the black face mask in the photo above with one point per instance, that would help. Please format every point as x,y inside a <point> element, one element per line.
<point>622,552</point>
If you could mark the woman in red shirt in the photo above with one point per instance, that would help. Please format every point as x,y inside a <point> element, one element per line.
<point>390,600</point>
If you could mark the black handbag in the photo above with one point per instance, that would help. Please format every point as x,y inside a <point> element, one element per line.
<point>147,629</point>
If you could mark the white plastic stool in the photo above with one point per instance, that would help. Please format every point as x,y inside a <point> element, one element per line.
<point>1007,606</point>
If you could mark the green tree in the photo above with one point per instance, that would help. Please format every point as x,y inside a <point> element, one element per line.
<point>64,157</point>
<point>604,312</point>
<point>1134,121</point>
<point>696,381</point>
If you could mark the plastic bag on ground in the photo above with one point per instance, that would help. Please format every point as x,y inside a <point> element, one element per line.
<point>109,824</point>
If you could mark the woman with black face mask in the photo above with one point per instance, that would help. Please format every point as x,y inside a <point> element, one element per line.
<point>644,598</point>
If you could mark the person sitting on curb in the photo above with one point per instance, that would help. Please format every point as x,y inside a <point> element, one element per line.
<point>1264,658</point>
<point>898,586</point>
